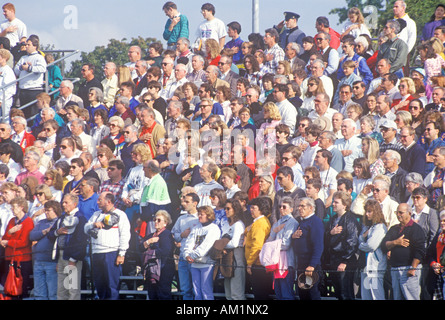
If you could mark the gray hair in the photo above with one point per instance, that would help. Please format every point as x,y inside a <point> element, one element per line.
<point>165,215</point>
<point>175,104</point>
<point>295,46</point>
<point>93,182</point>
<point>394,155</point>
<point>385,185</point>
<point>330,135</point>
<point>34,155</point>
<point>124,100</point>
<point>184,41</point>
<point>74,198</point>
<point>287,200</point>
<point>362,40</point>
<point>310,202</point>
<point>132,127</point>
<point>79,122</point>
<point>352,122</point>
<point>143,63</point>
<point>442,215</point>
<point>68,84</point>
<point>21,120</point>
<point>99,94</point>
<point>50,110</point>
<point>283,79</point>
<point>369,120</point>
<point>320,63</point>
<point>394,24</point>
<point>414,177</point>
<point>199,57</point>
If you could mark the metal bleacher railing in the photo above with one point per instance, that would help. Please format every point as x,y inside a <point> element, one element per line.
<point>62,59</point>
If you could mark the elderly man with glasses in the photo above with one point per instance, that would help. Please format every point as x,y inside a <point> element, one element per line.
<point>380,192</point>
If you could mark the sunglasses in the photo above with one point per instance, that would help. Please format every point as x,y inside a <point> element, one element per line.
<point>63,147</point>
<point>47,178</point>
<point>39,194</point>
<point>158,220</point>
<point>47,129</point>
<point>111,169</point>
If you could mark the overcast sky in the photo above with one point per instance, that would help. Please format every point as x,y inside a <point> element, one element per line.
<point>88,24</point>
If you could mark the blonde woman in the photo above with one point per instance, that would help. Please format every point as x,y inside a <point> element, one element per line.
<point>407,90</point>
<point>285,69</point>
<point>266,135</point>
<point>42,195</point>
<point>403,119</point>
<point>371,151</point>
<point>355,25</point>
<point>213,51</point>
<point>54,180</point>
<point>135,179</point>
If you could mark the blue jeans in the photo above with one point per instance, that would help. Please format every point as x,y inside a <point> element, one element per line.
<point>185,279</point>
<point>45,280</point>
<point>202,279</point>
<point>404,287</point>
<point>284,288</point>
<point>106,275</point>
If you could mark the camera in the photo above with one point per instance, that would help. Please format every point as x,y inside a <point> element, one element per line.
<point>93,233</point>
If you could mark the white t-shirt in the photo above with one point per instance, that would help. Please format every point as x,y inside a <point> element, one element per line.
<point>16,35</point>
<point>328,181</point>
<point>213,29</point>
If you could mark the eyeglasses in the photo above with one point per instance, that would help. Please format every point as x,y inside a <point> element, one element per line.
<point>204,105</point>
<point>111,169</point>
<point>320,39</point>
<point>312,84</point>
<point>376,190</point>
<point>285,159</point>
<point>165,63</point>
<point>283,207</point>
<point>47,178</point>
<point>101,155</point>
<point>73,167</point>
<point>47,129</point>
<point>417,197</point>
<point>157,220</point>
<point>414,107</point>
<point>356,87</point>
<point>201,91</point>
<point>39,194</point>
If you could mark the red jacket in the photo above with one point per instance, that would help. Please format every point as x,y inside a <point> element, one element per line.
<point>19,240</point>
<point>27,141</point>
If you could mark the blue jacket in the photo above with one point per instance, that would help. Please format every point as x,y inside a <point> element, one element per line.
<point>42,250</point>
<point>75,243</point>
<point>309,247</point>
<point>363,70</point>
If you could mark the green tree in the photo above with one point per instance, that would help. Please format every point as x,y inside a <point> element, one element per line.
<point>115,51</point>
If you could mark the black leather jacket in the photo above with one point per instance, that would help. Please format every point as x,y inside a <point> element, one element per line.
<point>343,247</point>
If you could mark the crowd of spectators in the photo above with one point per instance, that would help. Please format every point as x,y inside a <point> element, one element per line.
<point>294,164</point>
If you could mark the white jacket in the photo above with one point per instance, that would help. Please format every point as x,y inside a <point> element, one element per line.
<point>199,242</point>
<point>135,183</point>
<point>115,239</point>
<point>376,260</point>
<point>38,69</point>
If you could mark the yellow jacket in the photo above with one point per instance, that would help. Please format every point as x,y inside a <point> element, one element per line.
<point>256,235</point>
